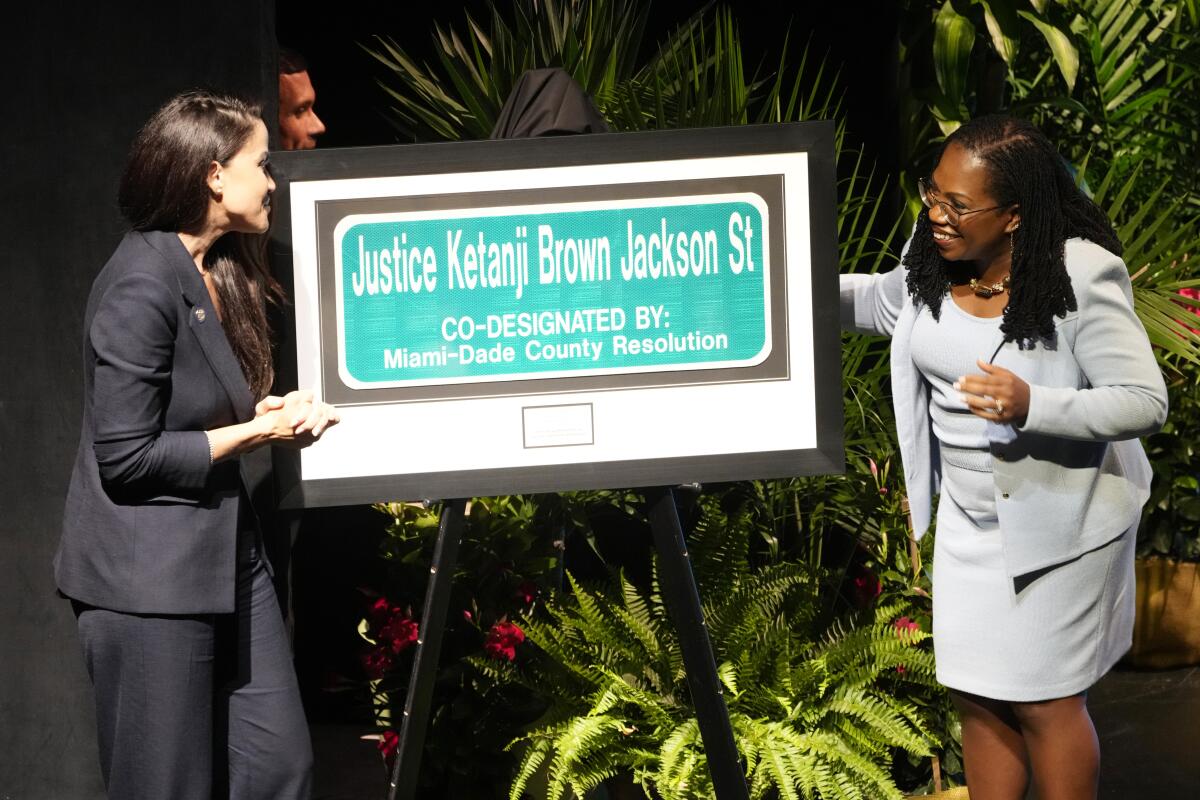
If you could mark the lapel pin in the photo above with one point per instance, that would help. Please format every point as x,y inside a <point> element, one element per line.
<point>199,312</point>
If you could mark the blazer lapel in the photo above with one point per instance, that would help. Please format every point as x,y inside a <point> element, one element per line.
<point>203,321</point>
<point>1000,432</point>
<point>911,400</point>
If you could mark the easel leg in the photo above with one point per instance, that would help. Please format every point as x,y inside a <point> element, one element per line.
<point>429,646</point>
<point>683,603</point>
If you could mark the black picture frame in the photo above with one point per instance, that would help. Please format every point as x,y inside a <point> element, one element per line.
<point>815,139</point>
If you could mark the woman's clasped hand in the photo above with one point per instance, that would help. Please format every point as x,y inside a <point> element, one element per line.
<point>998,394</point>
<point>295,419</point>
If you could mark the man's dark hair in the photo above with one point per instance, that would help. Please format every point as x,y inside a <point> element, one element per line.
<point>1024,169</point>
<point>291,62</point>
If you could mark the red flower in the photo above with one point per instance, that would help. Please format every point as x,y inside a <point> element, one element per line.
<point>377,662</point>
<point>502,641</point>
<point>388,743</point>
<point>391,626</point>
<point>399,632</point>
<point>380,611</point>
<point>467,615</point>
<point>866,587</point>
<point>527,592</point>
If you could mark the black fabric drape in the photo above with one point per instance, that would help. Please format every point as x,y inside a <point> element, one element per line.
<point>547,102</point>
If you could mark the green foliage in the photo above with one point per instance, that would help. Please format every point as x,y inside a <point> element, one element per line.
<point>696,78</point>
<point>1171,524</point>
<point>510,559</point>
<point>1159,249</point>
<point>814,714</point>
<point>596,41</point>
<point>1135,110</point>
<point>510,552</point>
<point>1112,82</point>
<point>504,544</point>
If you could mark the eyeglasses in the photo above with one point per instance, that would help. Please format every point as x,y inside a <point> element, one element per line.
<point>953,215</point>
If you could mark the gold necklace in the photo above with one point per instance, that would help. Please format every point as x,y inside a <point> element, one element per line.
<point>985,290</point>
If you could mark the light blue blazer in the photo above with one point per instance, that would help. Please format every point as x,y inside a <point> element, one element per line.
<point>1074,476</point>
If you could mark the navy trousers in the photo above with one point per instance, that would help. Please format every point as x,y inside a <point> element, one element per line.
<point>199,707</point>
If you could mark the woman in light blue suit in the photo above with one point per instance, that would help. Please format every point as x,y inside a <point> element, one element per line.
<point>1022,380</point>
<point>161,553</point>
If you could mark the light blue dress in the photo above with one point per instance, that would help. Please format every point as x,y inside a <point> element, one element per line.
<point>1038,636</point>
<point>1074,476</point>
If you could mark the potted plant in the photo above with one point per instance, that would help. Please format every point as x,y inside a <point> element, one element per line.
<point>813,711</point>
<point>1167,627</point>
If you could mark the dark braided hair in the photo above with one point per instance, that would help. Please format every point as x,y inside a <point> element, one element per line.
<point>1024,169</point>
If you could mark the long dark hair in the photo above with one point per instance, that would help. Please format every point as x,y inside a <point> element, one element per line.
<point>1024,169</point>
<point>164,188</point>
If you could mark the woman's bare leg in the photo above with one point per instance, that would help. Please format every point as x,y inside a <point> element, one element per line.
<point>993,748</point>
<point>1062,745</point>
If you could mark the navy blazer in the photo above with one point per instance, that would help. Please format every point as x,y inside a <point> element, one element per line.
<point>150,526</point>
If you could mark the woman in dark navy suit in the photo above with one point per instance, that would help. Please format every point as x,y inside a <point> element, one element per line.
<point>196,696</point>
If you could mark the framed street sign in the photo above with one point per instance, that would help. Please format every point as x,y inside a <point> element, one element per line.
<point>532,315</point>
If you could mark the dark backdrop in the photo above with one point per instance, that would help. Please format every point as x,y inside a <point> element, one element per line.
<point>79,78</point>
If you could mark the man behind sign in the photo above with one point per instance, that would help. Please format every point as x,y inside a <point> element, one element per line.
<point>299,125</point>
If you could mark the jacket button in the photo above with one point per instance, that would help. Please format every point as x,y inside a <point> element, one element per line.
<point>199,315</point>
<point>1004,495</point>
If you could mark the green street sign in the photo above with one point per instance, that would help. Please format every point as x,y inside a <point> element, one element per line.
<point>509,293</point>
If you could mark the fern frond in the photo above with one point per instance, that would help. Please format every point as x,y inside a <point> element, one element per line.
<point>679,757</point>
<point>653,709</point>
<point>610,640</point>
<point>885,724</point>
<point>535,755</point>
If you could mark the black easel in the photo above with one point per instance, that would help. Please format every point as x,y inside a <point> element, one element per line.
<point>683,603</point>
<point>429,647</point>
